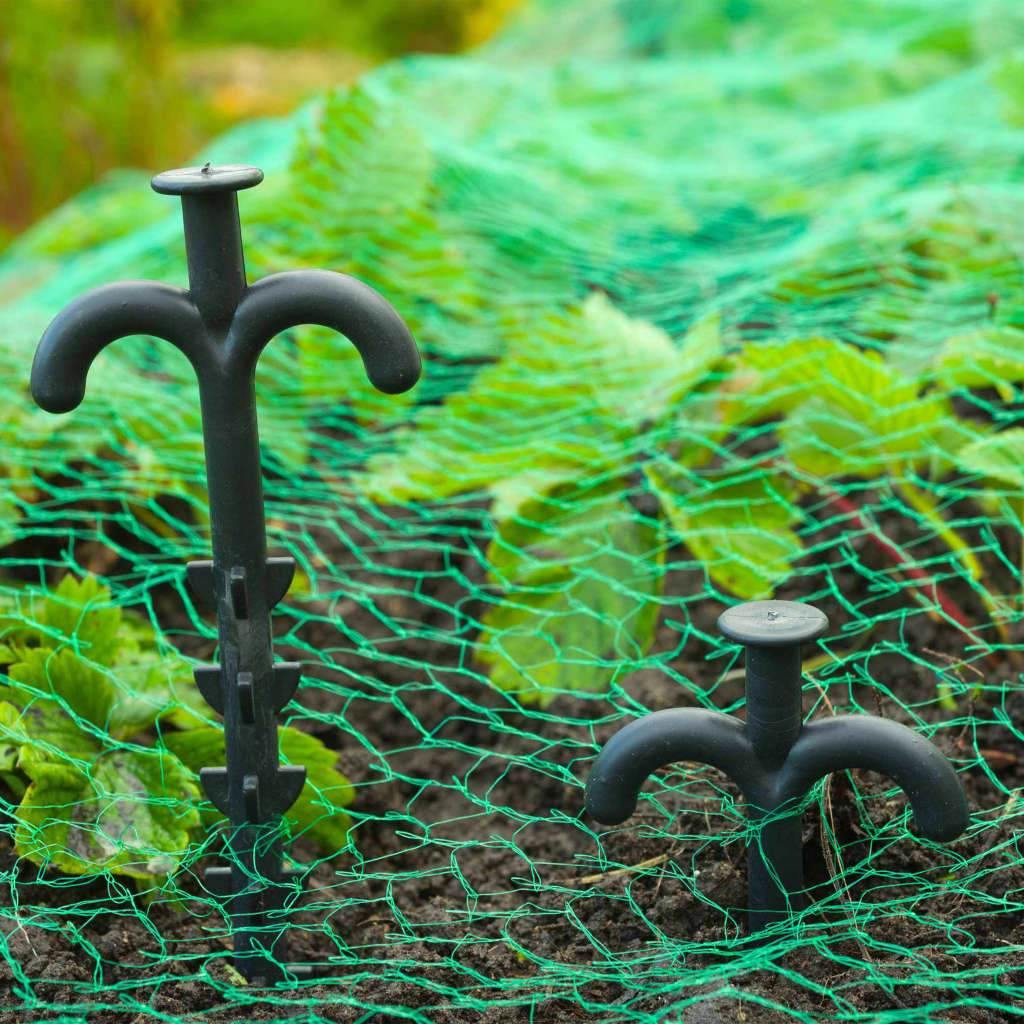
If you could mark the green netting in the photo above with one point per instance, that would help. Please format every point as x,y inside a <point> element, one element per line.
<point>717,300</point>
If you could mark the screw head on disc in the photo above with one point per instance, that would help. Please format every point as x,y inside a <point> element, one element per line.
<point>190,181</point>
<point>772,623</point>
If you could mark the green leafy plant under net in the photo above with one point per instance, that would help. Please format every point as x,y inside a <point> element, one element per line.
<point>717,302</point>
<point>101,779</point>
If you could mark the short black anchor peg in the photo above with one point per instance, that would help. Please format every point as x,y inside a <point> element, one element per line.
<point>774,758</point>
<point>222,324</point>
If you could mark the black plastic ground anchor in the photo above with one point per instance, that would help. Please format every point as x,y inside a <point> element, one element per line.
<point>222,324</point>
<point>774,758</point>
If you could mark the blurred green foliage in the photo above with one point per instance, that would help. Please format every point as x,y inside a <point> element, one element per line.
<point>86,86</point>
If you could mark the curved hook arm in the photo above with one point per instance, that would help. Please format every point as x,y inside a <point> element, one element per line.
<point>643,746</point>
<point>864,741</point>
<point>333,300</point>
<point>92,321</point>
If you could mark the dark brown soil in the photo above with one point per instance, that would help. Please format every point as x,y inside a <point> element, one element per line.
<point>476,889</point>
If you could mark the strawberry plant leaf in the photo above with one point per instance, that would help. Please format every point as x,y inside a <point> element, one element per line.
<point>76,612</point>
<point>89,803</point>
<point>361,160</point>
<point>847,412</point>
<point>81,690</point>
<point>129,812</point>
<point>83,609</point>
<point>633,369</point>
<point>367,197</point>
<point>737,527</point>
<point>999,457</point>
<point>147,680</point>
<point>594,367</point>
<point>988,357</point>
<point>157,688</point>
<point>90,806</point>
<point>872,433</point>
<point>9,716</point>
<point>772,379</point>
<point>46,728</point>
<point>582,573</point>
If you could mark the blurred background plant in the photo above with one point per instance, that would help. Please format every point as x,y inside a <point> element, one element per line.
<point>86,86</point>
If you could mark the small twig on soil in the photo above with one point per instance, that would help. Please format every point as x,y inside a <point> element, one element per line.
<point>997,759</point>
<point>601,876</point>
<point>374,920</point>
<point>21,928</point>
<point>664,867</point>
<point>824,695</point>
<point>956,663</point>
<point>879,710</point>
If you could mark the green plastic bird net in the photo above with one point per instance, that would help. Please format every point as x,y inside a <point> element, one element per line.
<point>718,300</point>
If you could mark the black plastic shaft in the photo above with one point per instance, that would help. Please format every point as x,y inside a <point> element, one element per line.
<point>222,325</point>
<point>774,758</point>
<point>243,619</point>
<point>774,712</point>
<point>216,266</point>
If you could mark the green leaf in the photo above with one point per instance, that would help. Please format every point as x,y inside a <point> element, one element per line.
<point>120,654</point>
<point>847,412</point>
<point>570,394</point>
<point>1007,77</point>
<point>82,691</point>
<point>318,811</point>
<point>367,197</point>
<point>45,729</point>
<point>83,609</point>
<point>77,612</point>
<point>770,379</point>
<point>154,688</point>
<point>988,357</point>
<point>870,437</point>
<point>998,457</point>
<point>9,744</point>
<point>634,371</point>
<point>129,811</point>
<point>90,806</point>
<point>582,573</point>
<point>363,169</point>
<point>736,526</point>
<point>361,201</point>
<point>774,378</point>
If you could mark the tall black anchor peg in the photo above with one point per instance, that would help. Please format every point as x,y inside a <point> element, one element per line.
<point>222,326</point>
<point>774,758</point>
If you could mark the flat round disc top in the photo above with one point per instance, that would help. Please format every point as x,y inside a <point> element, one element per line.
<point>188,181</point>
<point>772,623</point>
